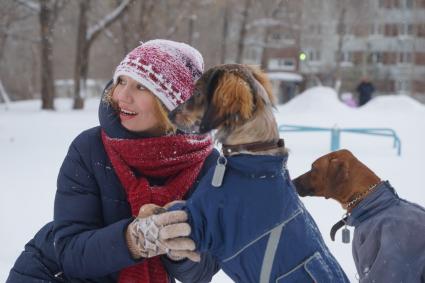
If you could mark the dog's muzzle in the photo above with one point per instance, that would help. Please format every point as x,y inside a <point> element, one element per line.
<point>181,125</point>
<point>302,188</point>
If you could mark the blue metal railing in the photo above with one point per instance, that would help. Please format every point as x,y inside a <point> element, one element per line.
<point>336,133</point>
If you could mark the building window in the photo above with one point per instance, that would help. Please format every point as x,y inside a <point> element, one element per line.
<point>404,58</point>
<point>347,57</point>
<point>391,30</point>
<point>376,29</point>
<point>409,4</point>
<point>313,55</point>
<point>375,57</point>
<point>276,36</point>
<point>402,86</point>
<point>284,64</point>
<point>405,29</point>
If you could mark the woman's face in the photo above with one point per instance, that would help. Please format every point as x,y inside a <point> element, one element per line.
<point>136,106</point>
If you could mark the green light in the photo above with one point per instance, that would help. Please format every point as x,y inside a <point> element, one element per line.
<point>302,56</point>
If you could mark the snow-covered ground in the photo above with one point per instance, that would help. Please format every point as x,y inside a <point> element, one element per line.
<point>33,144</point>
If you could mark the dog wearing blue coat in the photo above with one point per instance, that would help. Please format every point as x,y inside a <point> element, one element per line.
<point>246,211</point>
<point>389,236</point>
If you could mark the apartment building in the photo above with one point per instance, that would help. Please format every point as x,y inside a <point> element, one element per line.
<point>383,40</point>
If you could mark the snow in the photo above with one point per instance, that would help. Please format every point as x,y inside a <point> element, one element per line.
<point>33,144</point>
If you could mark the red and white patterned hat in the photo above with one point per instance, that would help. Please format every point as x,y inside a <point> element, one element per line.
<point>167,68</point>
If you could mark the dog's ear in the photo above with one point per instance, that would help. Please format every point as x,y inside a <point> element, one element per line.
<point>262,78</point>
<point>233,96</point>
<point>337,173</point>
<point>209,80</point>
<point>229,95</point>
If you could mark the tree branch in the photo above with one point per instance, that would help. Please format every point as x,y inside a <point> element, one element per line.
<point>96,29</point>
<point>29,4</point>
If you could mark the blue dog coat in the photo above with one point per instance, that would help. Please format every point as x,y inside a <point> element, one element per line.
<point>257,227</point>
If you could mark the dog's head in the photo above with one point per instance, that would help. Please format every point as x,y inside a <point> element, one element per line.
<point>327,177</point>
<point>225,96</point>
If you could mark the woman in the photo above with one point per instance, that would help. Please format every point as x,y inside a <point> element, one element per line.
<point>133,158</point>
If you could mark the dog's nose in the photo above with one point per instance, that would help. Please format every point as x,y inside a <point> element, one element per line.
<point>302,190</point>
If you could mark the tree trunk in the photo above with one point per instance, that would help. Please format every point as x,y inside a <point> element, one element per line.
<point>81,56</point>
<point>242,33</point>
<point>341,33</point>
<point>47,79</point>
<point>225,33</point>
<point>126,38</point>
<point>264,53</point>
<point>191,35</point>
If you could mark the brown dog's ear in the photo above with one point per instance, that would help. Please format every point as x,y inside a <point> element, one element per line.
<point>262,78</point>
<point>229,95</point>
<point>233,96</point>
<point>337,173</point>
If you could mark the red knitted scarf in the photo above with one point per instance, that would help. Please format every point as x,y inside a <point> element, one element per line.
<point>175,159</point>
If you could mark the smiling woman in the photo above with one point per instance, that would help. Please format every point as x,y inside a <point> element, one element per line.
<point>114,177</point>
<point>139,110</point>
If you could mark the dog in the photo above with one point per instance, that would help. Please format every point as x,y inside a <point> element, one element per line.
<point>245,211</point>
<point>389,236</point>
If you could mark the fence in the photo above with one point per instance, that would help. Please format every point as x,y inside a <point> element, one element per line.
<point>335,133</point>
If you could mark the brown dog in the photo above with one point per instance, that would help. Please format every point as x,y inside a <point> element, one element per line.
<point>389,242</point>
<point>237,101</point>
<point>338,175</point>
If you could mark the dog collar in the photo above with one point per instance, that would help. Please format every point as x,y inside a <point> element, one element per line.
<point>255,146</point>
<point>349,205</point>
<point>338,226</point>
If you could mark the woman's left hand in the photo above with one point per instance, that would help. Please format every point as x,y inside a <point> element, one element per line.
<point>155,232</point>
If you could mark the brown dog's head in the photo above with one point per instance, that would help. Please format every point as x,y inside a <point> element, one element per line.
<point>338,175</point>
<point>328,175</point>
<point>225,96</point>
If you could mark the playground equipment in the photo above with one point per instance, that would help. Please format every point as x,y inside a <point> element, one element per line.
<point>335,133</point>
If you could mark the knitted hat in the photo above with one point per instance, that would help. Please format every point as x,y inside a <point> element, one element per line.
<point>167,68</point>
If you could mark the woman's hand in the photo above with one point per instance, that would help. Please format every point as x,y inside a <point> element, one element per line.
<point>156,231</point>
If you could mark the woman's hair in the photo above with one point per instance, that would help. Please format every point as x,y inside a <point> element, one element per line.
<point>161,113</point>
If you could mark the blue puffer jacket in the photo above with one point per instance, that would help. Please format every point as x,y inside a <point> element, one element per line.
<point>256,226</point>
<point>90,218</point>
<point>389,239</point>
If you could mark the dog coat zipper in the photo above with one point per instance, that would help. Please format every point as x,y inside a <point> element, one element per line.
<point>219,171</point>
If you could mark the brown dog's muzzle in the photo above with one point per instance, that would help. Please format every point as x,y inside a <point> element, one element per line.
<point>303,185</point>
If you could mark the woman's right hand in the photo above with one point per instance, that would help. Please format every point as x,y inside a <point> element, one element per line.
<point>156,232</point>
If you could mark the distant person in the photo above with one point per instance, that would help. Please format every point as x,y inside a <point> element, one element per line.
<point>365,90</point>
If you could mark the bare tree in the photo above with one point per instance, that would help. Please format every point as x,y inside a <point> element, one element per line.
<point>85,38</point>
<point>7,17</point>
<point>47,11</point>
<point>341,31</point>
<point>243,31</point>
<point>225,32</point>
<point>46,17</point>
